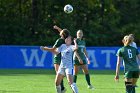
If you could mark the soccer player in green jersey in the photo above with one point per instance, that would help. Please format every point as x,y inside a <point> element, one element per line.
<point>64,33</point>
<point>83,60</point>
<point>131,68</point>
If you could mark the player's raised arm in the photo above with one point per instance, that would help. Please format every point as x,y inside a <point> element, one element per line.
<point>53,50</point>
<point>57,28</point>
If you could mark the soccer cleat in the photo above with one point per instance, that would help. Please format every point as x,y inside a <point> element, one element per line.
<point>90,87</point>
<point>63,91</point>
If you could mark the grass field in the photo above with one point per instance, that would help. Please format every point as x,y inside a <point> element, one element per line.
<point>42,81</point>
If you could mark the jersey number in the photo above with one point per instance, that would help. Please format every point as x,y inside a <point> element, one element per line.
<point>129,53</point>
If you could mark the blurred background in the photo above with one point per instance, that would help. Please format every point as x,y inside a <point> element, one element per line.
<point>104,22</point>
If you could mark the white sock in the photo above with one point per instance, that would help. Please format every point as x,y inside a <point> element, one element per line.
<point>58,89</point>
<point>74,87</point>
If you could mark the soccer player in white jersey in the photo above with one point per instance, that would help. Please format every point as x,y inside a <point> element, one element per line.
<point>66,65</point>
<point>133,44</point>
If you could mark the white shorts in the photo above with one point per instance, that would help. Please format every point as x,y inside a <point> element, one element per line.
<point>65,71</point>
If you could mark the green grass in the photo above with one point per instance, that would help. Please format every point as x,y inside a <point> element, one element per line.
<point>42,81</point>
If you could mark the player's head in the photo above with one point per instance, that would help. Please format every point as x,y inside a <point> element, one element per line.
<point>64,33</point>
<point>124,38</point>
<point>68,40</point>
<point>132,35</point>
<point>79,34</point>
<point>128,40</point>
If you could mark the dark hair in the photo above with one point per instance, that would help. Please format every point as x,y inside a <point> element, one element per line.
<point>65,33</point>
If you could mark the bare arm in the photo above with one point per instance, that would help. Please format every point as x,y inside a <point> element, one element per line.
<point>76,45</point>
<point>119,59</point>
<point>57,28</point>
<point>76,53</point>
<point>86,54</point>
<point>138,56</point>
<point>53,50</point>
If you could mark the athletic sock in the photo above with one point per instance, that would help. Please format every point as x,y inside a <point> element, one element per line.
<point>133,89</point>
<point>129,87</point>
<point>74,87</point>
<point>58,89</point>
<point>75,78</point>
<point>62,85</point>
<point>87,79</point>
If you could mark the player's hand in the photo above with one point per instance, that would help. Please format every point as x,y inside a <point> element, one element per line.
<point>88,61</point>
<point>55,27</point>
<point>75,40</point>
<point>81,61</point>
<point>116,78</point>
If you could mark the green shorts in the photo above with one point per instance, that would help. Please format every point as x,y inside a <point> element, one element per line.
<point>57,60</point>
<point>131,74</point>
<point>76,62</point>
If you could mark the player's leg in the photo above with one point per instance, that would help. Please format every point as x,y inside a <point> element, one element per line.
<point>58,79</point>
<point>135,77</point>
<point>70,80</point>
<point>56,66</point>
<point>134,81</point>
<point>76,69</point>
<point>129,86</point>
<point>128,82</point>
<point>87,76</point>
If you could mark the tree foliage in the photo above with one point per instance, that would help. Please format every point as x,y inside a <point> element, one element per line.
<point>104,22</point>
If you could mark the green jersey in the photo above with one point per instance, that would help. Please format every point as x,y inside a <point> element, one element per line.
<point>58,43</point>
<point>81,46</point>
<point>129,53</point>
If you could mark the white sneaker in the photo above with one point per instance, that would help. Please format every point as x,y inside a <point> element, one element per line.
<point>63,91</point>
<point>90,87</point>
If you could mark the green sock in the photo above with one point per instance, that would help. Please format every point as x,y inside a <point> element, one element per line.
<point>129,87</point>
<point>75,78</point>
<point>87,79</point>
<point>133,89</point>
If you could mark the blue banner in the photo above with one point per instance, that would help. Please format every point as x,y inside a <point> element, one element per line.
<point>33,57</point>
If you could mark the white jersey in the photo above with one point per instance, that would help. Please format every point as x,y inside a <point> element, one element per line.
<point>66,56</point>
<point>133,44</point>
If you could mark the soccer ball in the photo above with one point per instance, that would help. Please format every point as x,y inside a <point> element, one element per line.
<point>68,8</point>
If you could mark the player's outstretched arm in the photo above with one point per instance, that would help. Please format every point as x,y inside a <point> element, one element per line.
<point>57,28</point>
<point>119,59</point>
<point>53,50</point>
